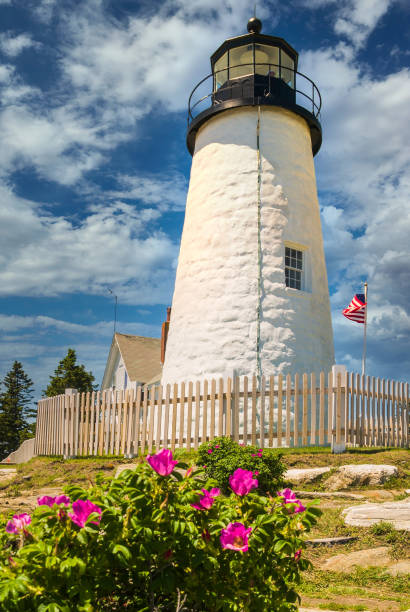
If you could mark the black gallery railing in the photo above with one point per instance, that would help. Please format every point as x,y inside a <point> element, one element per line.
<point>268,81</point>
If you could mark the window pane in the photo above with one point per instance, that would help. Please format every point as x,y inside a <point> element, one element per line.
<point>267,57</point>
<point>286,71</point>
<point>221,77</point>
<point>293,267</point>
<point>244,57</point>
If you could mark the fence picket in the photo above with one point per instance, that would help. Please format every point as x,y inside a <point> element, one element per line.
<point>130,421</point>
<point>174,416</point>
<point>288,408</point>
<point>254,405</point>
<point>386,412</point>
<point>109,422</point>
<point>377,412</point>
<point>220,407</point>
<point>330,404</point>
<point>189,416</point>
<point>159,419</point>
<point>338,434</point>
<point>166,417</point>
<point>245,410</point>
<point>205,413</point>
<point>322,408</point>
<point>271,410</point>
<point>228,411</point>
<point>151,418</point>
<point>304,410</point>
<point>296,412</point>
<point>235,409</point>
<point>137,421</point>
<point>280,411</point>
<point>262,413</point>
<point>313,409</point>
<point>123,439</point>
<point>197,413</point>
<point>213,396</point>
<point>182,416</point>
<point>393,413</point>
<point>117,418</point>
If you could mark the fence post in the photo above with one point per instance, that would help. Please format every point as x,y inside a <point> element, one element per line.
<point>69,393</point>
<point>338,411</point>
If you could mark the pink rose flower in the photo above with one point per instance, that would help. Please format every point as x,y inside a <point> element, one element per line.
<point>207,499</point>
<point>209,451</point>
<point>46,500</point>
<point>298,554</point>
<point>162,462</point>
<point>235,537</point>
<point>290,498</point>
<point>18,523</point>
<point>82,510</point>
<point>242,481</point>
<point>217,446</point>
<point>299,507</point>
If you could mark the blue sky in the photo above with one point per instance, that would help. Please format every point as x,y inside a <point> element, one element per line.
<point>94,168</point>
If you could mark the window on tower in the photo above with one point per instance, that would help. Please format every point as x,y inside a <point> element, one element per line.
<point>293,268</point>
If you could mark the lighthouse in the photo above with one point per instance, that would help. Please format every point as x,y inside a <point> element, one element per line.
<point>251,293</point>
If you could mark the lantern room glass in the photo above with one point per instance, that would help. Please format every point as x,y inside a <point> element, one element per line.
<point>252,59</point>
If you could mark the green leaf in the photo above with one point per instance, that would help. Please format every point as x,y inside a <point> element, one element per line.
<point>121,550</point>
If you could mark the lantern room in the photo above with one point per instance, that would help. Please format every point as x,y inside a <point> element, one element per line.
<point>251,70</point>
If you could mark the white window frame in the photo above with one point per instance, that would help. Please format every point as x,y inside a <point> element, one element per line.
<point>305,277</point>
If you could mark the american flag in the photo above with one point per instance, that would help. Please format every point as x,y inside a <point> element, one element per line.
<point>356,311</point>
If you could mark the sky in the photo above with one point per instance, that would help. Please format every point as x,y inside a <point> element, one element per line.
<point>94,168</point>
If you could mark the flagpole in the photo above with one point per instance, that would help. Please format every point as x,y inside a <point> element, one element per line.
<point>364,331</point>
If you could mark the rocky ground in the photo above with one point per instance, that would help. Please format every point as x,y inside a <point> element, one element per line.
<point>360,549</point>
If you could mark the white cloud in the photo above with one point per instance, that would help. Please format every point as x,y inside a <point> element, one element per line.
<point>166,192</point>
<point>13,45</point>
<point>44,10</point>
<point>354,19</point>
<point>112,245</point>
<point>42,323</point>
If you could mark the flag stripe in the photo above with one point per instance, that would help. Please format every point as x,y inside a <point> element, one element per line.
<point>356,311</point>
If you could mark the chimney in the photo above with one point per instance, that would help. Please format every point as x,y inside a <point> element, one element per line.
<point>164,335</point>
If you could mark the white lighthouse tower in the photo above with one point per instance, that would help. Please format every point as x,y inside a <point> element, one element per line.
<point>251,293</point>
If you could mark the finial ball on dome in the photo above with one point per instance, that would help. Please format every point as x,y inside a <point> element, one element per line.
<point>254,25</point>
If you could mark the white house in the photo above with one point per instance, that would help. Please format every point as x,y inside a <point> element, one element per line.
<point>132,361</point>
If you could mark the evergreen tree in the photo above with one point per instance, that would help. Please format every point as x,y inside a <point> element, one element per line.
<point>15,410</point>
<point>69,375</point>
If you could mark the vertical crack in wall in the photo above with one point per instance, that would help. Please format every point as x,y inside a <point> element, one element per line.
<point>259,305</point>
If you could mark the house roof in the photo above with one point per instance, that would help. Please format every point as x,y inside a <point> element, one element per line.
<point>141,357</point>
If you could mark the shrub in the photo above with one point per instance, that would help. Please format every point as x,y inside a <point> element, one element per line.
<point>147,542</point>
<point>223,456</point>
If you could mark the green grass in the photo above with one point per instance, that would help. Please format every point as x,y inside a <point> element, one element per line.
<point>338,606</point>
<point>369,583</point>
<point>334,590</point>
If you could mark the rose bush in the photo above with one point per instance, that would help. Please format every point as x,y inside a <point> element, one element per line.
<point>222,456</point>
<point>155,539</point>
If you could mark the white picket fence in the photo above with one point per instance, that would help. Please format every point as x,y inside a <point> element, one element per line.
<point>281,411</point>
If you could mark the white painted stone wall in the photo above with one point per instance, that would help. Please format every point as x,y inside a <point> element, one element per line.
<point>213,329</point>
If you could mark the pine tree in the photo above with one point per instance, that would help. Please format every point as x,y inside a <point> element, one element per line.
<point>70,375</point>
<point>16,410</point>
